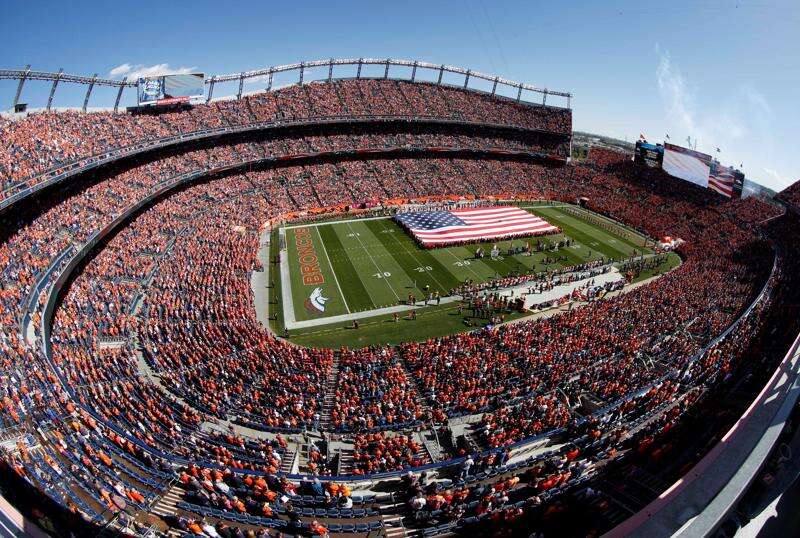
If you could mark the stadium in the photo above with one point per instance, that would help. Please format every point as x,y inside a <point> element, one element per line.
<point>380,298</point>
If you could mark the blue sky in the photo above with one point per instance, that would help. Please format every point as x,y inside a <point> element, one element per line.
<point>724,73</point>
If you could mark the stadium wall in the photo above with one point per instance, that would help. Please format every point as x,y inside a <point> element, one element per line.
<point>701,500</point>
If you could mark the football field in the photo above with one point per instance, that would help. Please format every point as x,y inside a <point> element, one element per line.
<point>356,265</point>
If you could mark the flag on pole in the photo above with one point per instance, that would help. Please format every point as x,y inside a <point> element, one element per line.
<point>667,136</point>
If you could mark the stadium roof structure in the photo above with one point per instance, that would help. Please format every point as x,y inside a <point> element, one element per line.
<point>522,90</point>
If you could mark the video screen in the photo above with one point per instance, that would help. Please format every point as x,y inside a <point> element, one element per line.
<point>687,164</point>
<point>169,89</point>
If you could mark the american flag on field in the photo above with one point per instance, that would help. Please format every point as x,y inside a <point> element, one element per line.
<point>720,178</point>
<point>439,228</point>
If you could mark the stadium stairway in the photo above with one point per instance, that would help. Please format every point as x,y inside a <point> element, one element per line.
<point>346,461</point>
<point>393,525</point>
<point>411,380</point>
<point>430,441</point>
<point>165,507</point>
<point>290,457</point>
<point>330,395</point>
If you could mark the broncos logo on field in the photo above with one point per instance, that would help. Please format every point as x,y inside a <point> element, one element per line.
<point>316,302</point>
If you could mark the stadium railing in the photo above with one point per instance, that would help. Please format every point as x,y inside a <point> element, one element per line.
<point>700,501</point>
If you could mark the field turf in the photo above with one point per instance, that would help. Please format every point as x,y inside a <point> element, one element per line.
<point>373,263</point>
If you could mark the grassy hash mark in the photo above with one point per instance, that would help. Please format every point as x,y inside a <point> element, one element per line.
<point>356,292</point>
<point>333,271</point>
<point>377,268</point>
<point>468,265</point>
<point>576,231</point>
<point>364,262</point>
<point>618,233</point>
<point>424,254</point>
<point>403,254</point>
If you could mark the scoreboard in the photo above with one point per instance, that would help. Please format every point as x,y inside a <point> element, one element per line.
<point>651,155</point>
<point>170,89</point>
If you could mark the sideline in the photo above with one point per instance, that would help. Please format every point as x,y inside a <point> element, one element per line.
<point>333,271</point>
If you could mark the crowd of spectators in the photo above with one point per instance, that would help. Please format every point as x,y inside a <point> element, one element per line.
<point>156,337</point>
<point>373,391</point>
<point>381,452</point>
<point>791,194</point>
<point>46,142</point>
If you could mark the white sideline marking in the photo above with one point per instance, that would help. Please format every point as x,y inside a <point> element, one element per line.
<point>332,270</point>
<point>286,281</point>
<point>374,263</point>
<point>330,222</point>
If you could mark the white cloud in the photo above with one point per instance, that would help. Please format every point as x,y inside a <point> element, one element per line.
<point>673,88</point>
<point>120,70</point>
<point>777,181</point>
<point>736,118</point>
<point>139,71</point>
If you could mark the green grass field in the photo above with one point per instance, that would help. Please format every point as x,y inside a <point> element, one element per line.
<point>365,265</point>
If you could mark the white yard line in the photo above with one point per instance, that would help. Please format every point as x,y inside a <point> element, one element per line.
<point>329,222</point>
<point>325,250</point>
<point>420,264</point>
<point>373,262</point>
<point>468,266</point>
